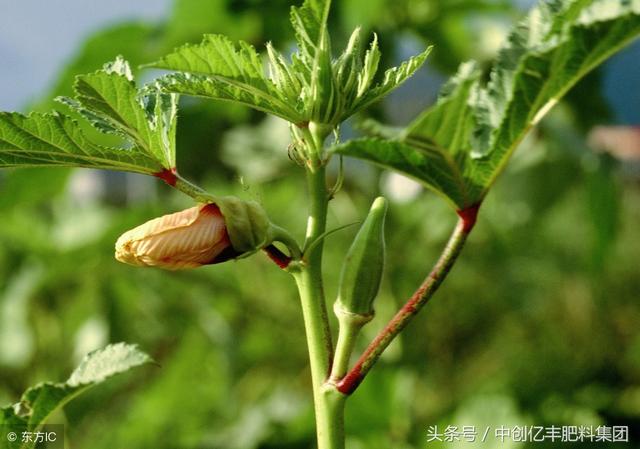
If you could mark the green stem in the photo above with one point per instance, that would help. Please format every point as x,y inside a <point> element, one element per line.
<point>350,326</point>
<point>283,236</point>
<point>329,403</point>
<point>192,190</point>
<point>346,342</point>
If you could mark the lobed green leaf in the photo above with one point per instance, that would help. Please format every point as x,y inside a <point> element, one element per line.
<point>109,100</point>
<point>477,126</point>
<point>38,402</point>
<point>54,139</point>
<point>218,69</point>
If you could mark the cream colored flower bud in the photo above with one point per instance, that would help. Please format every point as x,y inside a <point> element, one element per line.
<point>191,238</point>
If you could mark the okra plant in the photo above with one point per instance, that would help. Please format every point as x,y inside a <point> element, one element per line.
<point>457,148</point>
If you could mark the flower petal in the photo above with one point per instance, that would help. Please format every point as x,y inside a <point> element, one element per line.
<point>186,239</point>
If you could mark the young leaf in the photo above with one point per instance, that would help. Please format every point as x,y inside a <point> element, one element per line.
<point>310,25</point>
<point>371,62</point>
<point>478,126</point>
<point>284,77</point>
<point>312,87</point>
<point>38,402</point>
<point>55,139</point>
<point>218,69</point>
<point>393,77</point>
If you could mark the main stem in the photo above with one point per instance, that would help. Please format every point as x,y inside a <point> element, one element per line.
<point>329,403</point>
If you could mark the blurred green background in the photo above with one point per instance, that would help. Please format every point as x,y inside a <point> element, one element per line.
<point>538,323</point>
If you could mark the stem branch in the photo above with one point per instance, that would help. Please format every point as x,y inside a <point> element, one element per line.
<point>350,326</point>
<point>370,356</point>
<point>192,190</point>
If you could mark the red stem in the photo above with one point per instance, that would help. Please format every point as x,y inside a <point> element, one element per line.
<point>280,258</point>
<point>370,356</point>
<point>168,175</point>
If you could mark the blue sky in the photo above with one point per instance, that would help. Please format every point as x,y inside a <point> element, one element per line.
<point>37,37</point>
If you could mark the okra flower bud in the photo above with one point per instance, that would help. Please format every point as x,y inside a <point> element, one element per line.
<point>362,269</point>
<point>201,235</point>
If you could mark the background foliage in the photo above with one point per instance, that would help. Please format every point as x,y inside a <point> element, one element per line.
<point>538,323</point>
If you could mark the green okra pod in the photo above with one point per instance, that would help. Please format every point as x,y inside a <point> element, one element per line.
<point>362,269</point>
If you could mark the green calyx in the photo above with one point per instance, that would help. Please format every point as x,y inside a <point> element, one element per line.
<point>247,224</point>
<point>362,270</point>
